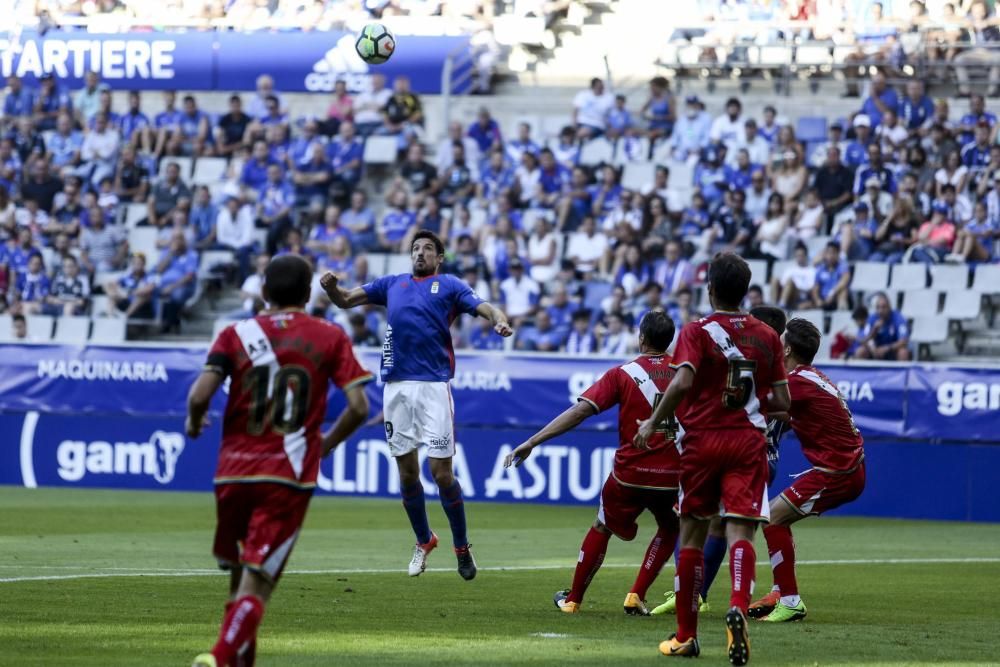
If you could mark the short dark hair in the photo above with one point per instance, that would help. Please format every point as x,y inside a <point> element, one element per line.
<point>19,318</point>
<point>860,313</point>
<point>657,329</point>
<point>188,98</point>
<point>803,338</point>
<point>287,281</point>
<point>833,244</point>
<point>771,316</point>
<point>427,234</point>
<point>729,276</point>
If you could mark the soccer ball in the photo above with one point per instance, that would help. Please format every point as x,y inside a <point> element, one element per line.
<point>375,44</point>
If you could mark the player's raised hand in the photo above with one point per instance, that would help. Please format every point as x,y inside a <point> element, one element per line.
<point>518,455</point>
<point>328,282</point>
<point>643,435</point>
<point>502,327</point>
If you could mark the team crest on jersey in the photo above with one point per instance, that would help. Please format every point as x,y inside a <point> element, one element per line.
<point>435,287</point>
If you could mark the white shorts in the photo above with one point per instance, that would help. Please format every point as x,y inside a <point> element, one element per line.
<point>419,413</point>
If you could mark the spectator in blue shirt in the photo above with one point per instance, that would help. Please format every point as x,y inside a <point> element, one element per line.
<point>135,126</point>
<point>192,136</point>
<point>312,179</point>
<point>31,287</point>
<point>566,148</point>
<point>542,337</point>
<point>695,218</point>
<point>254,174</point>
<point>710,176</point>
<point>64,144</point>
<point>691,131</point>
<point>485,131</point>
<point>976,153</point>
<point>345,153</point>
<point>301,148</point>
<point>274,207</point>
<point>874,169</point>
<point>496,178</point>
<point>659,110</point>
<point>577,204</point>
<point>396,222</point>
<point>739,176</point>
<point>856,153</point>
<point>167,123</point>
<point>483,337</point>
<point>50,103</point>
<point>605,194</point>
<point>19,100</point>
<point>886,334</point>
<point>881,98</point>
<point>857,238</point>
<point>176,278</point>
<point>134,293</point>
<point>360,222</point>
<point>553,181</point>
<point>619,118</point>
<point>202,218</point>
<point>977,112</point>
<point>514,148</point>
<point>832,276</point>
<point>561,309</point>
<point>916,110</point>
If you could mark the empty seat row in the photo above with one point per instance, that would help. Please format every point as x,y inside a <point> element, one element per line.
<point>66,330</point>
<point>877,276</point>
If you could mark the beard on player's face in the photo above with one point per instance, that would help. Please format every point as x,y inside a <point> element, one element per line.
<point>425,266</point>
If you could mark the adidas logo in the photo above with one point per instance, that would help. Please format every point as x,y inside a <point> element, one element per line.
<point>339,63</point>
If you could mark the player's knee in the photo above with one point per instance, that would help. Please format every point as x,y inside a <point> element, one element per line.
<point>600,527</point>
<point>444,478</point>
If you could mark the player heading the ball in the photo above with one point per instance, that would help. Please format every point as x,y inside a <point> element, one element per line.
<point>418,363</point>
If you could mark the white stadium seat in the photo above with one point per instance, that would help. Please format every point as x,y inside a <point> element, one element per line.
<point>108,331</point>
<point>39,327</point>
<point>143,239</point>
<point>987,279</point>
<point>186,165</point>
<point>596,151</point>
<point>962,305</point>
<point>908,277</point>
<point>815,315</point>
<point>926,330</point>
<point>380,150</point>
<point>209,170</point>
<point>947,277</point>
<point>72,330</point>
<point>920,303</point>
<point>6,328</point>
<point>637,175</point>
<point>870,277</point>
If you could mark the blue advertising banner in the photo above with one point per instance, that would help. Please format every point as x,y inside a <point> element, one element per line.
<point>953,404</point>
<point>153,453</point>
<point>298,61</point>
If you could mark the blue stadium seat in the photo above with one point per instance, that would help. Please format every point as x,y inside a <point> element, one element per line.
<point>811,129</point>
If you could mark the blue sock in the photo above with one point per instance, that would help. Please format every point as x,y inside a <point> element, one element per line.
<point>715,553</point>
<point>454,507</point>
<point>413,503</point>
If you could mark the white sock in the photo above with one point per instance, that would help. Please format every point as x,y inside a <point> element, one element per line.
<point>790,600</point>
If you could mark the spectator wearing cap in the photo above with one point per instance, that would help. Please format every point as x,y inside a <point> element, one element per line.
<point>886,334</point>
<point>691,131</point>
<point>874,169</point>
<point>916,109</point>
<point>659,111</point>
<point>856,237</point>
<point>231,128</point>
<point>834,139</point>
<point>728,128</point>
<point>514,148</point>
<point>167,122</point>
<point>368,106</point>
<point>19,101</point>
<point>88,99</point>
<point>581,340</point>
<point>968,122</point>
<point>856,153</point>
<point>64,144</point>
<point>879,201</point>
<point>590,110</point>
<point>589,249</point>
<point>983,36</point>
<point>936,237</point>
<point>50,103</point>
<point>710,175</point>
<point>832,278</point>
<point>769,126</point>
<point>752,142</point>
<point>881,98</point>
<point>833,183</point>
<point>485,131</point>
<point>519,293</point>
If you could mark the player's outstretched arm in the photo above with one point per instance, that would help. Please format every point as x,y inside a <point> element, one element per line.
<point>497,317</point>
<point>350,419</point>
<point>780,399</point>
<point>199,398</point>
<point>567,421</point>
<point>664,412</point>
<point>342,298</point>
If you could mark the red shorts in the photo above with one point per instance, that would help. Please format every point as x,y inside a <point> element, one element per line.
<point>621,505</point>
<point>724,473</point>
<point>815,491</point>
<point>257,524</point>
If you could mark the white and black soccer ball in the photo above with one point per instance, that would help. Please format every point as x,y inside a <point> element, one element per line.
<point>375,44</point>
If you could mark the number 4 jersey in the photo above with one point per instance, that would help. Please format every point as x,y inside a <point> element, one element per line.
<point>737,359</point>
<point>280,367</point>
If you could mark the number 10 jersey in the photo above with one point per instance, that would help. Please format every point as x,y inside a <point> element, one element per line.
<point>280,366</point>
<point>736,359</point>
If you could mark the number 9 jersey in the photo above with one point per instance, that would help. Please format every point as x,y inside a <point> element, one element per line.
<point>737,359</point>
<point>280,367</point>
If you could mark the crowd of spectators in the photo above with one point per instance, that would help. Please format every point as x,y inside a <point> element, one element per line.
<point>575,258</point>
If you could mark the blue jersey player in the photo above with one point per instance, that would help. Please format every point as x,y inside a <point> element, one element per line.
<point>417,365</point>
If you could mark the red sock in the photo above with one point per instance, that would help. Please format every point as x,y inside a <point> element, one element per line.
<point>781,549</point>
<point>742,561</point>
<point>247,657</point>
<point>592,551</point>
<point>690,572</point>
<point>660,548</point>
<point>238,628</point>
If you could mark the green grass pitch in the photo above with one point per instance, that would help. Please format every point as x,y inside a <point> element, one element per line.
<point>125,578</point>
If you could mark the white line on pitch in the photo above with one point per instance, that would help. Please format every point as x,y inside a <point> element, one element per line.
<point>510,568</point>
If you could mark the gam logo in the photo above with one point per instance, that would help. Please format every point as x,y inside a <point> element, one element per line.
<point>156,458</point>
